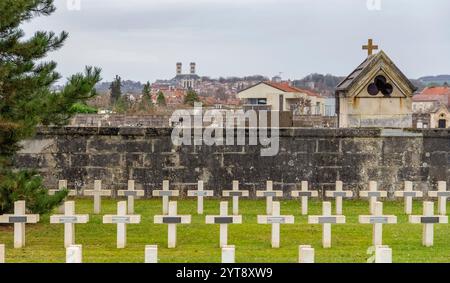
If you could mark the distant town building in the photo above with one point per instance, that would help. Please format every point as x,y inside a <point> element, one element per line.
<point>282,97</point>
<point>186,81</point>
<point>221,91</point>
<point>277,79</point>
<point>431,108</point>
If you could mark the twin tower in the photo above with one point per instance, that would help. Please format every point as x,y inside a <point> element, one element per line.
<point>180,68</point>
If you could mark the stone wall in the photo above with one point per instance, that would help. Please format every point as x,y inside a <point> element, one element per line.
<point>315,121</point>
<point>118,120</point>
<point>320,156</point>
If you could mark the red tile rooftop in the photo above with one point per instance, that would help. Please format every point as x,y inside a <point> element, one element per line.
<point>437,90</point>
<point>287,88</point>
<point>438,93</point>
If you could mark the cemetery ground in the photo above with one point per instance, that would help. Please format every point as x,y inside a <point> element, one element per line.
<point>199,242</point>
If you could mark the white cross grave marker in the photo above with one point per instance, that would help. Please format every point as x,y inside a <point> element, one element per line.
<point>442,194</point>
<point>235,193</point>
<point>200,194</point>
<point>62,184</point>
<point>97,192</point>
<point>326,220</point>
<point>305,254</point>
<point>428,219</point>
<point>383,254</point>
<point>408,194</point>
<point>269,194</point>
<point>275,219</point>
<point>74,254</point>
<point>339,194</point>
<point>372,194</point>
<point>151,254</point>
<point>69,218</point>
<point>172,219</point>
<point>228,253</point>
<point>378,219</point>
<point>165,193</point>
<point>2,253</point>
<point>304,194</point>
<point>130,193</point>
<point>121,219</point>
<point>223,219</point>
<point>19,218</point>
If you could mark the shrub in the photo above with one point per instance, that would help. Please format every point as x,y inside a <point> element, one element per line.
<point>27,186</point>
<point>82,108</point>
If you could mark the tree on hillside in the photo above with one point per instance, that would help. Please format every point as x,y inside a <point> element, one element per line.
<point>122,105</point>
<point>27,100</point>
<point>160,99</point>
<point>191,97</point>
<point>116,89</point>
<point>146,102</point>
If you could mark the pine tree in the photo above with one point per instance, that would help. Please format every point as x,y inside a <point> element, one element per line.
<point>191,97</point>
<point>161,99</point>
<point>146,102</point>
<point>27,98</point>
<point>147,88</point>
<point>116,89</point>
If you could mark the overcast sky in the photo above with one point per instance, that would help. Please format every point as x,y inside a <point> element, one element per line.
<point>143,39</point>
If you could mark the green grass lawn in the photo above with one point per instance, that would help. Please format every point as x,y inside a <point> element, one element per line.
<point>198,242</point>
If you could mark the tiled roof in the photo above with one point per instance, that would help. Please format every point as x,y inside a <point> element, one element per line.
<point>365,67</point>
<point>281,86</point>
<point>429,97</point>
<point>348,81</point>
<point>308,92</point>
<point>438,90</point>
<point>285,87</point>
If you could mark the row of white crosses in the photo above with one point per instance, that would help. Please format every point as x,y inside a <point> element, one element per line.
<point>408,194</point>
<point>326,219</point>
<point>131,193</point>
<point>19,218</point>
<point>373,194</point>
<point>69,219</point>
<point>74,254</point>
<point>166,193</point>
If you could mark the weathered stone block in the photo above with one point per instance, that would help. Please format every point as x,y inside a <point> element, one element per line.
<point>71,144</point>
<point>105,160</point>
<point>331,145</point>
<point>79,160</point>
<point>133,159</point>
<point>439,159</point>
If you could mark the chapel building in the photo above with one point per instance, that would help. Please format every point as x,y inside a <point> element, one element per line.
<point>375,94</point>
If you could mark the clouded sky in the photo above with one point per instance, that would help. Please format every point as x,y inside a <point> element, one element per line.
<point>143,39</point>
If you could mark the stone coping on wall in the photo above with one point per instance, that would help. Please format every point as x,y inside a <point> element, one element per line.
<point>284,132</point>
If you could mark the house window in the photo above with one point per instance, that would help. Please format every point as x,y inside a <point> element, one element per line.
<point>262,101</point>
<point>257,101</point>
